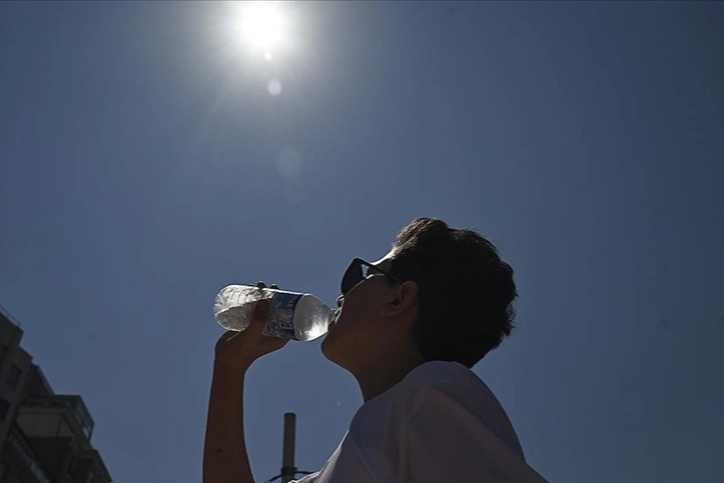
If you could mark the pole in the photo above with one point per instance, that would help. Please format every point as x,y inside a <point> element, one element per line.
<point>288,468</point>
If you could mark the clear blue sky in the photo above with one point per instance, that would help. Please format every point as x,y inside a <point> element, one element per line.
<point>140,172</point>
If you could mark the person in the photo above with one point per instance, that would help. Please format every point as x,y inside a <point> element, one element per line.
<point>410,328</point>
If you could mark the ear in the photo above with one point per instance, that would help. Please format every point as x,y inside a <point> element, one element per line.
<point>404,300</point>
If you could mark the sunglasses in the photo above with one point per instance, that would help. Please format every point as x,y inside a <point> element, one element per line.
<point>355,273</point>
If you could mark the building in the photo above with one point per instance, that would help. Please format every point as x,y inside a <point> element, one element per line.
<point>44,437</point>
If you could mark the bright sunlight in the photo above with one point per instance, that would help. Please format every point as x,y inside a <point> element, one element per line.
<point>262,26</point>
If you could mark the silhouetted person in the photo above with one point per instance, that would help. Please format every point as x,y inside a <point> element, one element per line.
<point>412,325</point>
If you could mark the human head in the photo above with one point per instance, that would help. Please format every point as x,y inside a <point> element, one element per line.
<point>455,302</point>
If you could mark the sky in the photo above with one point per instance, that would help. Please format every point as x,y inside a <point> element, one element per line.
<point>145,163</point>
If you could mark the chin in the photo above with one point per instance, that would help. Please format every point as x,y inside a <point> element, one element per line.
<point>332,350</point>
<point>328,347</point>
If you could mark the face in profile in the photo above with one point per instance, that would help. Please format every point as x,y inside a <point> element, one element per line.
<point>359,323</point>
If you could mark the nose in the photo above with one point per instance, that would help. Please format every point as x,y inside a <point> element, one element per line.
<point>340,299</point>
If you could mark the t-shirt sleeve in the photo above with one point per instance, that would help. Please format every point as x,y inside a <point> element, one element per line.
<point>456,436</point>
<point>307,479</point>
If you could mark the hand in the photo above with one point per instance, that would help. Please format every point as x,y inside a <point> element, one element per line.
<point>236,351</point>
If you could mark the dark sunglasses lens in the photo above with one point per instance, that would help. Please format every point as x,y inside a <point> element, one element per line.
<point>351,277</point>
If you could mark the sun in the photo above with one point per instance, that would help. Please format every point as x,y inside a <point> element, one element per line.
<point>262,25</point>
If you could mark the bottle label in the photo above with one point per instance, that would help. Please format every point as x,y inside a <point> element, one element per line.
<point>281,315</point>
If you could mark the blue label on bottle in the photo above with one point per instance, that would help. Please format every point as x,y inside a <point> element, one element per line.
<point>281,315</point>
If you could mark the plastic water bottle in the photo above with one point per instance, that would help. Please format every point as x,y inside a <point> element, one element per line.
<point>292,315</point>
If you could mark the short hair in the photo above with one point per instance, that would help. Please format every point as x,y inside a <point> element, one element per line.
<point>465,290</point>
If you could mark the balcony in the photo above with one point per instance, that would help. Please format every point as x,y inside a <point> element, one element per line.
<point>63,402</point>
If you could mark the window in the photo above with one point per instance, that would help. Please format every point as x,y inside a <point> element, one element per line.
<point>13,377</point>
<point>83,417</point>
<point>64,430</point>
<point>4,406</point>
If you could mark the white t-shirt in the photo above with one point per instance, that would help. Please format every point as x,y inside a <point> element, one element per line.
<point>441,424</point>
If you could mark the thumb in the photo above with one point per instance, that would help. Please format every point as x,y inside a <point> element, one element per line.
<point>260,315</point>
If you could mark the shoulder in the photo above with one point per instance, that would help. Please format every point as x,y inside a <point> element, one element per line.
<point>456,396</point>
<point>402,401</point>
<point>442,374</point>
<point>438,372</point>
<point>433,377</point>
<point>404,398</point>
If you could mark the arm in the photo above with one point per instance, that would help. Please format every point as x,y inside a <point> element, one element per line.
<point>225,456</point>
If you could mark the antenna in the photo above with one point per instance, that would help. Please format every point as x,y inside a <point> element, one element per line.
<point>289,471</point>
<point>290,430</point>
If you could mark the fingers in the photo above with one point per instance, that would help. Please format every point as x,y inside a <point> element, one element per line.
<point>263,285</point>
<point>261,312</point>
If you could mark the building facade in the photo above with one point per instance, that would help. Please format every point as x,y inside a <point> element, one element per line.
<point>44,437</point>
